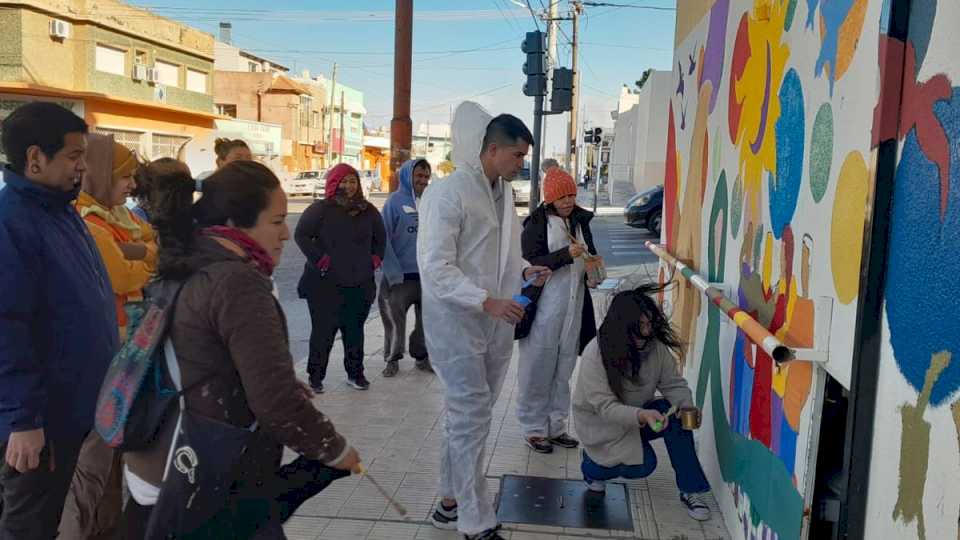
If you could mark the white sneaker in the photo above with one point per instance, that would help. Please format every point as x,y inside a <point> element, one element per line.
<point>597,486</point>
<point>443,518</point>
<point>696,505</point>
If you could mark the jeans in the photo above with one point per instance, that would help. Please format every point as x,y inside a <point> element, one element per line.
<point>683,456</point>
<point>394,302</point>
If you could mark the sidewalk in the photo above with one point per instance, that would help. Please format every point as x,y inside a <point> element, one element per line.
<point>397,426</point>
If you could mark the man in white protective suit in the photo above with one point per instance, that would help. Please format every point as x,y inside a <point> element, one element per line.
<point>470,268</point>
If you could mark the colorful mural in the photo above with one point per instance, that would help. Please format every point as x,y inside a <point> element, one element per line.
<point>767,193</point>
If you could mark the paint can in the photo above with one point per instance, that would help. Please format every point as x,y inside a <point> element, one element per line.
<point>690,418</point>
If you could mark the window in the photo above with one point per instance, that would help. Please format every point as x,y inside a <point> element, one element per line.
<point>131,139</point>
<point>306,103</point>
<point>168,73</point>
<point>196,81</point>
<point>224,109</point>
<point>315,120</point>
<point>167,145</point>
<point>110,60</point>
<point>140,58</point>
<point>253,67</point>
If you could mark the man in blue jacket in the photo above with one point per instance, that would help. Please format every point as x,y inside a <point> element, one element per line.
<point>58,327</point>
<point>400,287</point>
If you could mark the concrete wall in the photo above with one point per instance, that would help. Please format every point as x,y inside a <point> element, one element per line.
<point>769,164</point>
<point>640,136</point>
<point>916,453</point>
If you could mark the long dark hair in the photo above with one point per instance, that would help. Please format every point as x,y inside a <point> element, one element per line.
<point>163,182</point>
<point>620,333</point>
<point>222,147</point>
<point>235,194</point>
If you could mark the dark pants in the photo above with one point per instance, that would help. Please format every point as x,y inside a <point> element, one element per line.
<point>33,501</point>
<point>394,304</point>
<point>683,456</point>
<point>94,502</point>
<point>332,309</point>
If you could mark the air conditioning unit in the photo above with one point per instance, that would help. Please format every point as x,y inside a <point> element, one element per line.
<point>59,29</point>
<point>153,75</point>
<point>140,72</point>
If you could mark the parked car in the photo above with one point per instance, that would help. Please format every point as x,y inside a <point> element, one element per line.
<point>521,187</point>
<point>645,210</point>
<point>305,183</point>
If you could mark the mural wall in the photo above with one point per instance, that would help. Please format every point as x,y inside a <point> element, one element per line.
<point>769,168</point>
<point>916,461</point>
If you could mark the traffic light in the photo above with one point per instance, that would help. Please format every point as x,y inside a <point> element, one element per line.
<point>592,136</point>
<point>561,96</point>
<point>534,68</point>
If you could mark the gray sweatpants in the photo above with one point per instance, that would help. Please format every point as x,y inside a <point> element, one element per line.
<point>394,302</point>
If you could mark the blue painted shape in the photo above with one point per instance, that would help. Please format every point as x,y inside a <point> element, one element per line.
<point>922,15</point>
<point>785,187</point>
<point>923,290</point>
<point>811,12</point>
<point>788,445</point>
<point>833,12</point>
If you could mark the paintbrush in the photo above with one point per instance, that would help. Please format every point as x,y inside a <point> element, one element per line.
<point>658,425</point>
<point>396,506</point>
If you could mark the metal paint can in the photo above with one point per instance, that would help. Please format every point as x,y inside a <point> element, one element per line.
<point>690,418</point>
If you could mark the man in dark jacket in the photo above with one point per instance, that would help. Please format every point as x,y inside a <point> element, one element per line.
<point>400,287</point>
<point>58,327</point>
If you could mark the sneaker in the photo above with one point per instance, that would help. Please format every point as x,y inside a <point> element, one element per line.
<point>596,486</point>
<point>696,505</point>
<point>317,387</point>
<point>565,441</point>
<point>360,383</point>
<point>392,368</point>
<point>489,534</point>
<point>423,364</point>
<point>444,518</point>
<point>539,445</point>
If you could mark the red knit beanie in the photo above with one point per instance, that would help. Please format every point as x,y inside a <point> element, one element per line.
<point>557,184</point>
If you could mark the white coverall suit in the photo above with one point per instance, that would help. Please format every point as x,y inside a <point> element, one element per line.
<point>468,250</point>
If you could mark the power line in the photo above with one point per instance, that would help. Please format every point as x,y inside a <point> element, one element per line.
<point>633,6</point>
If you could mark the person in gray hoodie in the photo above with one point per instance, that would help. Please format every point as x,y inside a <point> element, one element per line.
<point>400,287</point>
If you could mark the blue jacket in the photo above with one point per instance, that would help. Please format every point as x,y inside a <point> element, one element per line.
<point>401,220</point>
<point>58,322</point>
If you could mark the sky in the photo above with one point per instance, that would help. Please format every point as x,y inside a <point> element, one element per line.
<point>463,49</point>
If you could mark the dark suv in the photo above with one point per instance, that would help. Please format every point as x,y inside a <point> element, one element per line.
<point>645,210</point>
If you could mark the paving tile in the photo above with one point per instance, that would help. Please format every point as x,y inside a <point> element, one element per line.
<point>393,531</point>
<point>304,528</point>
<point>346,529</point>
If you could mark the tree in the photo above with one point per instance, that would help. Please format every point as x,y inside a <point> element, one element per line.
<point>643,79</point>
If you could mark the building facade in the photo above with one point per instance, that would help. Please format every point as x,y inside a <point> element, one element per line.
<point>143,78</point>
<point>640,136</point>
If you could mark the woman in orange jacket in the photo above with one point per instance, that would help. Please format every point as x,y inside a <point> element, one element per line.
<point>128,247</point>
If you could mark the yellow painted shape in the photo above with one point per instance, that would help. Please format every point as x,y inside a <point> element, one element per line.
<point>767,261</point>
<point>850,31</point>
<point>764,37</point>
<point>846,231</point>
<point>740,317</point>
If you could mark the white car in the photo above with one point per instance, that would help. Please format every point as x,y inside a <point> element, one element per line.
<point>305,183</point>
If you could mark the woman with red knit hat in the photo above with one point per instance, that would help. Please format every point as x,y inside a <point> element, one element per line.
<point>343,240</point>
<point>556,235</point>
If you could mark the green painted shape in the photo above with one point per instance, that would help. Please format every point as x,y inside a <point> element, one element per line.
<point>757,246</point>
<point>716,151</point>
<point>821,152</point>
<point>745,462</point>
<point>791,11</point>
<point>736,207</point>
<point>718,212</point>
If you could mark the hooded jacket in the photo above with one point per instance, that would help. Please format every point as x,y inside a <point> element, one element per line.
<point>468,250</point>
<point>112,226</point>
<point>402,220</point>
<point>58,325</point>
<point>349,247</point>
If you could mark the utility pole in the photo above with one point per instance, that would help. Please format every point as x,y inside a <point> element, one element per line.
<point>572,131</point>
<point>343,137</point>
<point>553,29</point>
<point>333,88</point>
<point>401,127</point>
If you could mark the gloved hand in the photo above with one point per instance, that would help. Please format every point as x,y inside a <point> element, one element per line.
<point>377,262</point>
<point>324,264</point>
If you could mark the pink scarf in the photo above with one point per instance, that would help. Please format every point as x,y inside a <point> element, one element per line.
<point>254,252</point>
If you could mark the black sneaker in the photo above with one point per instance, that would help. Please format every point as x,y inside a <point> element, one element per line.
<point>539,445</point>
<point>360,383</point>
<point>489,534</point>
<point>317,387</point>
<point>423,364</point>
<point>565,441</point>
<point>696,505</point>
<point>444,518</point>
<point>393,367</point>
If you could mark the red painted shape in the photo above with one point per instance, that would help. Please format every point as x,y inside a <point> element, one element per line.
<point>670,181</point>
<point>760,402</point>
<point>918,101</point>
<point>891,78</point>
<point>738,62</point>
